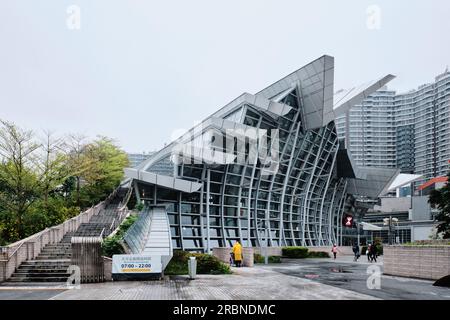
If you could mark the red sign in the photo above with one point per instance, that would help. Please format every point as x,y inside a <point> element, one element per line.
<point>348,221</point>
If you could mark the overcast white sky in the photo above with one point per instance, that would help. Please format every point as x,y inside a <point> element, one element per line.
<point>139,70</point>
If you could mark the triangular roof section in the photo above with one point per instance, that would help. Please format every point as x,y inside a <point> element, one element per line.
<point>315,83</point>
<point>345,99</point>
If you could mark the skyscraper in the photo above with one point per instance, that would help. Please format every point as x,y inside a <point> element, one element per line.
<point>371,132</point>
<point>409,131</point>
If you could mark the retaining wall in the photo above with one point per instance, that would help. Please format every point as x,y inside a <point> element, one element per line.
<point>426,262</point>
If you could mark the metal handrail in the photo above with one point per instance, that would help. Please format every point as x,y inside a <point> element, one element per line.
<point>14,252</point>
<point>101,234</point>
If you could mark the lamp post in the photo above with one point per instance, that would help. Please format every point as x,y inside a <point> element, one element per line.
<point>266,242</point>
<point>389,222</point>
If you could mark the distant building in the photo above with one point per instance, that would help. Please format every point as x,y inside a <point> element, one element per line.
<point>137,158</point>
<point>371,134</point>
<point>409,131</point>
<point>164,167</point>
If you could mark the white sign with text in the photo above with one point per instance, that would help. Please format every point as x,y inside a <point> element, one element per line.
<point>136,263</point>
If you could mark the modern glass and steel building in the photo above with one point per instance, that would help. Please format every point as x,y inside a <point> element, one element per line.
<point>409,131</point>
<point>266,168</point>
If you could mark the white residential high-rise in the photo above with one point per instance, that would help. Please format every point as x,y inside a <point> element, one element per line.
<point>371,131</point>
<point>410,131</point>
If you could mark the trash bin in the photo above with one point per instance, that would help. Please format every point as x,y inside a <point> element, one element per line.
<point>192,267</point>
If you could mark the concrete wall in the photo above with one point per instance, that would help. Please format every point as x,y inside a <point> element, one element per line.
<point>421,209</point>
<point>394,204</point>
<point>421,232</point>
<point>425,262</point>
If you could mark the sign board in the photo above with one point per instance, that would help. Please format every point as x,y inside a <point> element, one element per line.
<point>136,263</point>
<point>348,221</point>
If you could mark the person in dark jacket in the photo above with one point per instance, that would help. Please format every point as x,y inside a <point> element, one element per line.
<point>373,253</point>
<point>356,251</point>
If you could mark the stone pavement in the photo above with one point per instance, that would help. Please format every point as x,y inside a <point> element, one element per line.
<point>293,279</point>
<point>344,273</point>
<point>244,284</point>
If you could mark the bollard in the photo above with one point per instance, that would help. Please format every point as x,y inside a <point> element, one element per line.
<point>192,267</point>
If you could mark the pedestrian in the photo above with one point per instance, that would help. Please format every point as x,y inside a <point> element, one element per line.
<point>237,253</point>
<point>373,253</point>
<point>334,250</point>
<point>368,252</point>
<point>356,251</point>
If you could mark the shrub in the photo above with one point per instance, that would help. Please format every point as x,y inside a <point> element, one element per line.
<point>126,224</point>
<point>257,258</point>
<point>379,248</point>
<point>295,252</point>
<point>318,254</point>
<point>112,245</point>
<point>206,264</point>
<point>179,263</point>
<point>274,259</point>
<point>378,245</point>
<point>209,264</point>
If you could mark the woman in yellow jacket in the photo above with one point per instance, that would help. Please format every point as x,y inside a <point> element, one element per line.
<point>237,253</point>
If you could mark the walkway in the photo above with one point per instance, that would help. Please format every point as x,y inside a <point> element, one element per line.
<point>311,279</point>
<point>244,284</point>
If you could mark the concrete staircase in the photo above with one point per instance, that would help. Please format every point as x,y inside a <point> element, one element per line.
<point>53,261</point>
<point>49,266</point>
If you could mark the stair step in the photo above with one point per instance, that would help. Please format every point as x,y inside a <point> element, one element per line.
<point>51,261</point>
<point>38,279</point>
<point>40,275</point>
<point>42,270</point>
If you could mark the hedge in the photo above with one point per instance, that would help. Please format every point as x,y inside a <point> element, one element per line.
<point>295,252</point>
<point>257,258</point>
<point>318,254</point>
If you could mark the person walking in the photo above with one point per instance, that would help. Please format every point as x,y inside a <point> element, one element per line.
<point>334,250</point>
<point>373,253</point>
<point>356,251</point>
<point>368,252</point>
<point>237,253</point>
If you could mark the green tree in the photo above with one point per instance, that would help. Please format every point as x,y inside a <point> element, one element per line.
<point>440,199</point>
<point>19,181</point>
<point>106,170</point>
<point>43,183</point>
<point>78,163</point>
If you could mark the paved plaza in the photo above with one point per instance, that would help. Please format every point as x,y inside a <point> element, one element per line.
<point>293,279</point>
